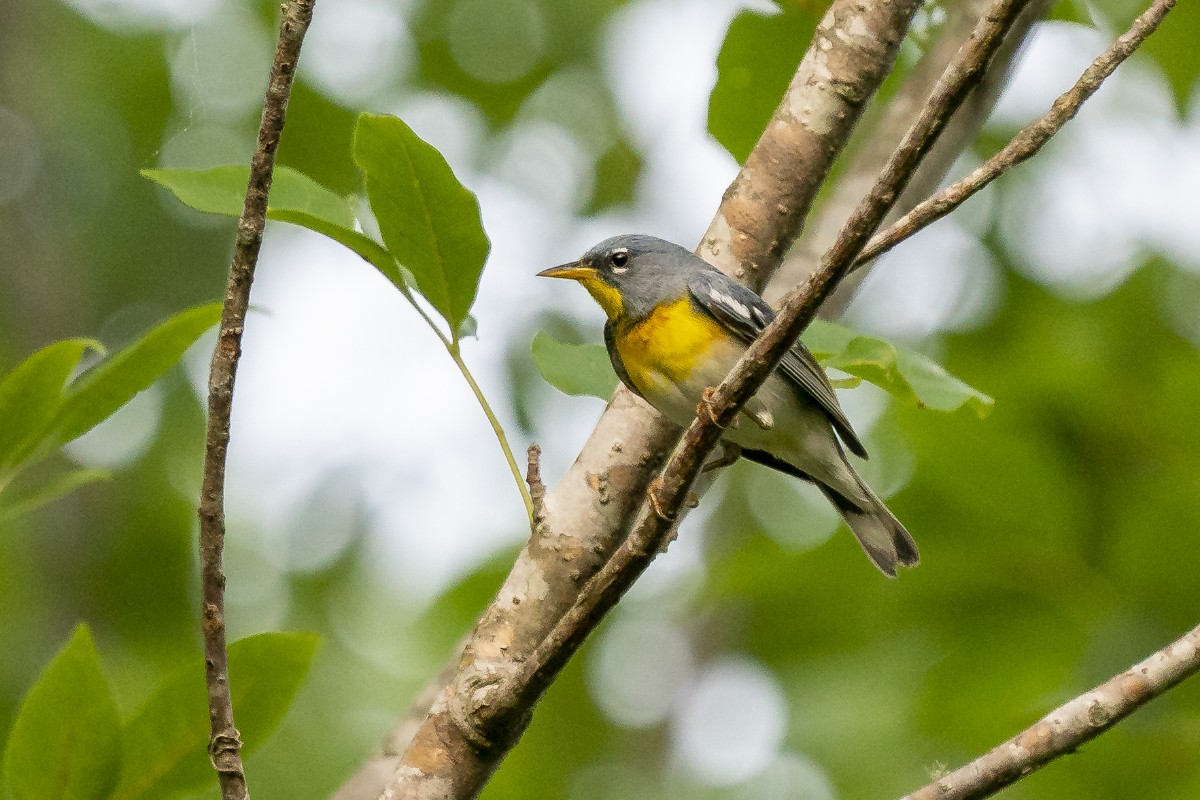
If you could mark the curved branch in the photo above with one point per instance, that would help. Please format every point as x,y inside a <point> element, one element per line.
<point>224,746</point>
<point>1070,725</point>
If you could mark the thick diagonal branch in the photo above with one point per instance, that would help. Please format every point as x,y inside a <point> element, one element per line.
<point>225,743</point>
<point>883,136</point>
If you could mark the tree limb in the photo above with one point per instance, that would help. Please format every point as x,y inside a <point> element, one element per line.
<point>1026,143</point>
<point>224,748</point>
<point>589,511</point>
<point>1070,725</point>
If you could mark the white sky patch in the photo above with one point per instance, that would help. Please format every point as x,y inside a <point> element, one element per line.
<point>639,669</point>
<point>357,47</point>
<point>732,723</point>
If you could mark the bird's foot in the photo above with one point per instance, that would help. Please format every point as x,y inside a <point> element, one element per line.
<point>656,505</point>
<point>705,408</point>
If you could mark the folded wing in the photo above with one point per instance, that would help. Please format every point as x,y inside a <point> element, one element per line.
<point>745,314</point>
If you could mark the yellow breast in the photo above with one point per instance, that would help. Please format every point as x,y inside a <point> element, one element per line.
<point>666,345</point>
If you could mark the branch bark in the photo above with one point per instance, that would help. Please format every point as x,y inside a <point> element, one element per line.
<point>1070,725</point>
<point>881,138</point>
<point>224,747</point>
<point>587,514</point>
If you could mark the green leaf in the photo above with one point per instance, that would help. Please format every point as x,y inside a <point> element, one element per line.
<point>429,221</point>
<point>756,62</point>
<point>222,190</point>
<point>65,743</point>
<point>30,397</point>
<point>166,743</point>
<point>578,369</point>
<point>46,493</point>
<point>97,394</point>
<point>908,375</point>
<point>617,172</point>
<point>295,198</point>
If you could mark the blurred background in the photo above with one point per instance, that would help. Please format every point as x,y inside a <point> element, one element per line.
<point>761,657</point>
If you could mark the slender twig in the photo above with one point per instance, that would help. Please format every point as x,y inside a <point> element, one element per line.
<point>453,349</point>
<point>537,489</point>
<point>669,491</point>
<point>224,747</point>
<point>1026,143</point>
<point>1070,725</point>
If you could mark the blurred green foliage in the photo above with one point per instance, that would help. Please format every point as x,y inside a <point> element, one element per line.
<point>1058,535</point>
<point>44,405</point>
<point>757,61</point>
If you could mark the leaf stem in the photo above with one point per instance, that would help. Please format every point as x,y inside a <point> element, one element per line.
<point>452,347</point>
<point>453,350</point>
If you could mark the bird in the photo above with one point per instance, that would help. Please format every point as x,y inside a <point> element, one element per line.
<point>677,325</point>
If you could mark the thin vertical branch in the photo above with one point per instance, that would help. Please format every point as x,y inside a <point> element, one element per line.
<point>224,748</point>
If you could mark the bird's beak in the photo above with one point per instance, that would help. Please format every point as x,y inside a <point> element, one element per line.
<point>576,271</point>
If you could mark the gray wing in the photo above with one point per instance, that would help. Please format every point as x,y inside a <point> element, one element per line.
<point>615,357</point>
<point>745,313</point>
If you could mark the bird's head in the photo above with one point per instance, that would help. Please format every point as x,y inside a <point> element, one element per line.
<point>631,274</point>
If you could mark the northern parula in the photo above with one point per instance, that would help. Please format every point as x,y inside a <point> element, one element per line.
<point>676,326</point>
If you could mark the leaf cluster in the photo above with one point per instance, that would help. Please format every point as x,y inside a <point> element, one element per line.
<point>70,741</point>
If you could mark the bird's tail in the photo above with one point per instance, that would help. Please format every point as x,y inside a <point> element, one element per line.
<point>885,540</point>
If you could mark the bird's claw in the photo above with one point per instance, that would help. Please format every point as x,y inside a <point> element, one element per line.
<point>652,496</point>
<point>705,408</point>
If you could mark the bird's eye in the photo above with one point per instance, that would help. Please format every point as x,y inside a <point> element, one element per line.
<point>619,258</point>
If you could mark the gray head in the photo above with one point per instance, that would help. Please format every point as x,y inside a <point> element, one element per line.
<point>629,275</point>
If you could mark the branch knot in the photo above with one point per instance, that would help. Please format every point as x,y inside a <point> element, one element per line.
<point>469,698</point>
<point>224,752</point>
